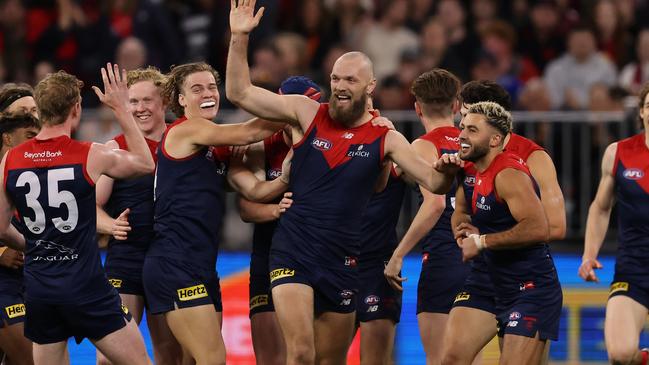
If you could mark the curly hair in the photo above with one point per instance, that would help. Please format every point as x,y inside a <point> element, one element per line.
<point>146,74</point>
<point>495,115</point>
<point>176,78</point>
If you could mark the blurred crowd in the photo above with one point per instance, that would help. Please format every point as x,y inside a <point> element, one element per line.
<point>549,54</point>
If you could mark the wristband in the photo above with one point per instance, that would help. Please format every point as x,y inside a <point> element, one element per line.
<point>479,240</point>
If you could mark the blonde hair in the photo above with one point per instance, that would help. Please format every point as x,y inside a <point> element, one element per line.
<point>145,74</point>
<point>495,115</point>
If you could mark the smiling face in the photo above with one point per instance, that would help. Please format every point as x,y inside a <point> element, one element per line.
<point>200,95</point>
<point>26,105</point>
<point>351,83</point>
<point>146,105</point>
<point>477,137</point>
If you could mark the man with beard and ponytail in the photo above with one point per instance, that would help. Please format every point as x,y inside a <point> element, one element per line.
<point>505,220</point>
<point>179,268</point>
<point>475,305</point>
<point>338,157</point>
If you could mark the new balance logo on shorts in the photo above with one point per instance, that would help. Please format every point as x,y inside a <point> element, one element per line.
<point>281,273</point>
<point>116,283</point>
<point>16,310</point>
<point>258,300</point>
<point>191,293</point>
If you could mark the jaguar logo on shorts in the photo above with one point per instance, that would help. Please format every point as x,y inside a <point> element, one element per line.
<point>281,273</point>
<point>116,283</point>
<point>16,310</point>
<point>192,292</point>
<point>258,300</point>
<point>619,286</point>
<point>462,296</point>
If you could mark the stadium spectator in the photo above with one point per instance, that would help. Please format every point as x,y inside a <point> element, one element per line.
<point>541,39</point>
<point>460,38</point>
<point>612,38</point>
<point>291,48</point>
<point>636,73</point>
<point>435,52</point>
<point>570,77</point>
<point>131,54</point>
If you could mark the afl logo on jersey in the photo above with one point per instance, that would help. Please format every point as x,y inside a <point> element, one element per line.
<point>321,144</point>
<point>633,174</point>
<point>469,180</point>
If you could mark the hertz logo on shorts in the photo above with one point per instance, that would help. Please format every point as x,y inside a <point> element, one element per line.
<point>258,301</point>
<point>116,283</point>
<point>16,310</point>
<point>281,273</point>
<point>462,296</point>
<point>619,286</point>
<point>191,293</point>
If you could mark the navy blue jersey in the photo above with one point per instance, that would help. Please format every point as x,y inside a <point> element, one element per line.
<point>189,205</point>
<point>275,150</point>
<point>439,240</point>
<point>137,195</point>
<point>55,199</point>
<point>509,269</point>
<point>334,170</point>
<point>631,173</point>
<point>378,230</point>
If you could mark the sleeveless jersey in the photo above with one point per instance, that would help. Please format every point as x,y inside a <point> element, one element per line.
<point>55,199</point>
<point>189,205</point>
<point>631,173</point>
<point>275,150</point>
<point>439,240</point>
<point>136,194</point>
<point>378,231</point>
<point>334,170</point>
<point>511,268</point>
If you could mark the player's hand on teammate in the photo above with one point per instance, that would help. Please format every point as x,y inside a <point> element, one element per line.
<point>285,203</point>
<point>467,244</point>
<point>115,94</point>
<point>383,122</point>
<point>587,269</point>
<point>12,259</point>
<point>448,163</point>
<point>121,227</point>
<point>237,155</point>
<point>392,272</point>
<point>286,167</point>
<point>242,16</point>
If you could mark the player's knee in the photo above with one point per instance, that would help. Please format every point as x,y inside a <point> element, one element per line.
<point>301,353</point>
<point>622,355</point>
<point>455,358</point>
<point>103,361</point>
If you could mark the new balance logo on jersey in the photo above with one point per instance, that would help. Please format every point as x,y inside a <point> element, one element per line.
<point>192,292</point>
<point>321,144</point>
<point>633,174</point>
<point>480,204</point>
<point>42,155</point>
<point>16,310</point>
<point>357,151</point>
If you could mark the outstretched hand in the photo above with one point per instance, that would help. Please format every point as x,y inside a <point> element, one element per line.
<point>115,94</point>
<point>242,16</point>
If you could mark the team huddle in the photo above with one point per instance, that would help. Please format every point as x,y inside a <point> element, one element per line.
<point>323,183</point>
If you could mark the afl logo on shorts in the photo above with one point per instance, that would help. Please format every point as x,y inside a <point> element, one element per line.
<point>633,174</point>
<point>346,294</point>
<point>372,299</point>
<point>321,144</point>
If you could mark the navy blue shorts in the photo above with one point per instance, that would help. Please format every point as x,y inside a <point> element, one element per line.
<point>13,308</point>
<point>125,281</point>
<point>477,292</point>
<point>376,298</point>
<point>632,286</point>
<point>440,280</point>
<point>536,309</point>
<point>50,323</point>
<point>173,284</point>
<point>334,290</point>
<point>261,299</point>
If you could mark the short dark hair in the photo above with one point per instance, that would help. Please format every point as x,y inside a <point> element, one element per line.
<point>11,122</point>
<point>175,80</point>
<point>55,96</point>
<point>436,91</point>
<point>641,99</point>
<point>11,92</point>
<point>483,90</point>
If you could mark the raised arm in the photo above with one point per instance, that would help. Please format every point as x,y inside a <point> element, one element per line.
<point>293,109</point>
<point>545,174</point>
<point>401,152</point>
<point>599,215</point>
<point>118,163</point>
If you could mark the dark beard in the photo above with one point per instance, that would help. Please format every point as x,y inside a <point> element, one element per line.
<point>347,117</point>
<point>476,154</point>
